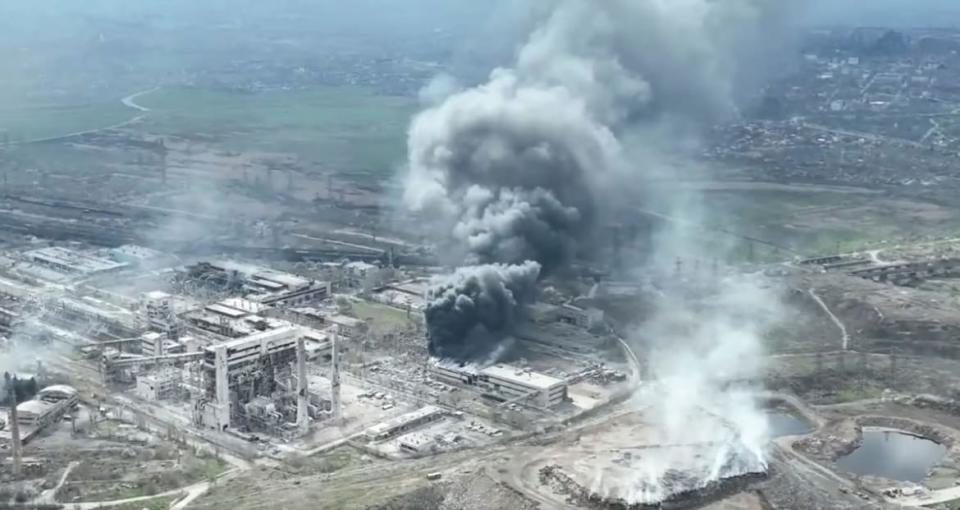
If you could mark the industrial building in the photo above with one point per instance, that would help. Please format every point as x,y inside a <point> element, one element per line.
<point>260,381</point>
<point>407,295</point>
<point>259,284</point>
<point>158,312</point>
<point>161,384</point>
<point>505,383</point>
<point>417,443</point>
<point>238,370</point>
<point>404,423</point>
<point>546,313</point>
<point>72,263</point>
<point>313,317</point>
<point>116,320</point>
<point>51,404</point>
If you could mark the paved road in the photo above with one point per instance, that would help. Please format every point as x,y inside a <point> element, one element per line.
<point>931,498</point>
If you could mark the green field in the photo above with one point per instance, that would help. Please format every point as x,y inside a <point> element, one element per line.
<point>811,222</point>
<point>25,121</point>
<point>381,317</point>
<point>344,129</point>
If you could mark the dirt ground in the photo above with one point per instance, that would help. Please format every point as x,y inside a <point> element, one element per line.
<point>108,460</point>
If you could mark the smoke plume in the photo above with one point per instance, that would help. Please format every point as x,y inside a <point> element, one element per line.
<point>512,170</point>
<point>471,311</point>
<point>704,358</point>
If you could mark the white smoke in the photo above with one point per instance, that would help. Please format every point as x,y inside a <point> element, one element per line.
<point>704,359</point>
<point>439,89</point>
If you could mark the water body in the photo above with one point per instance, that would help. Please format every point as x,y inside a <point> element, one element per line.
<point>894,455</point>
<point>783,424</point>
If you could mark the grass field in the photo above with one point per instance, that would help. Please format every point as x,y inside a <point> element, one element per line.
<point>382,318</point>
<point>25,121</point>
<point>817,222</point>
<point>344,129</point>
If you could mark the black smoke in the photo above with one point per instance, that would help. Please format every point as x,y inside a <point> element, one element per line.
<point>470,312</point>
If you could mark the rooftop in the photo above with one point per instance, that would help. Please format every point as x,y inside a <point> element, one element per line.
<point>34,407</point>
<point>263,276</point>
<point>403,419</point>
<point>244,304</point>
<point>523,377</point>
<point>226,310</point>
<point>157,295</point>
<point>73,261</point>
<point>62,389</point>
<point>415,287</point>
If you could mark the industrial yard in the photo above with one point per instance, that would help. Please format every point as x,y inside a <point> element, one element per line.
<point>347,270</point>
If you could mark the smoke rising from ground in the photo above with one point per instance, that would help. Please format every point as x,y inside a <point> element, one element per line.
<point>471,311</point>
<point>522,167</point>
<point>703,359</point>
<point>525,166</point>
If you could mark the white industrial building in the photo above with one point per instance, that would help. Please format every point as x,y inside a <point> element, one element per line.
<point>51,404</point>
<point>417,442</point>
<point>265,364</point>
<point>404,423</point>
<point>505,383</point>
<point>545,313</point>
<point>268,286</point>
<point>71,262</point>
<point>159,385</point>
<point>236,364</point>
<point>409,295</point>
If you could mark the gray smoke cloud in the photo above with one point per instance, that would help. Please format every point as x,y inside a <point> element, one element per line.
<point>512,170</point>
<point>530,150</point>
<point>471,311</point>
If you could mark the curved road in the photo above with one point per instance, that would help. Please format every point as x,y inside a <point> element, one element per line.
<point>128,101</point>
<point>836,320</point>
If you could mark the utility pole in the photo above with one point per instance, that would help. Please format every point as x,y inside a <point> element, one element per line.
<point>893,370</point>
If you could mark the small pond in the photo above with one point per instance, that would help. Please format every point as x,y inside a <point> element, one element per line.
<point>894,455</point>
<point>783,423</point>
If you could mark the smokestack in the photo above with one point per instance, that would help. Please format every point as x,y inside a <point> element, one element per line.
<point>335,376</point>
<point>14,425</point>
<point>302,388</point>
